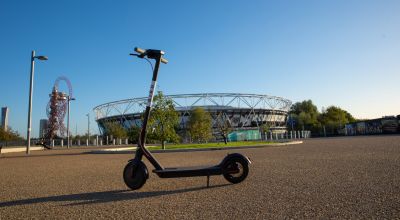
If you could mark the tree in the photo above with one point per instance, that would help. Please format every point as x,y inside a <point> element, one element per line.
<point>306,114</point>
<point>199,125</point>
<point>264,128</point>
<point>133,134</point>
<point>335,118</point>
<point>9,135</point>
<point>115,130</point>
<point>224,126</point>
<point>163,120</point>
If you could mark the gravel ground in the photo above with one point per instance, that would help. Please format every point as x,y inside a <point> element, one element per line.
<point>352,177</point>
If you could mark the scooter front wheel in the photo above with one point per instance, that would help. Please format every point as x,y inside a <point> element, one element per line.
<point>135,174</point>
<point>236,170</point>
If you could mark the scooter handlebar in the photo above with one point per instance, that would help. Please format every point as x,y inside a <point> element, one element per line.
<point>139,50</point>
<point>163,60</point>
<point>142,53</point>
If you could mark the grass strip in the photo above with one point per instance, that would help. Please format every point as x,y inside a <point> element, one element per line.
<point>211,145</point>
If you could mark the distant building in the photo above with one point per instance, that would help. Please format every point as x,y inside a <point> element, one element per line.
<point>43,127</point>
<point>4,118</point>
<point>384,125</point>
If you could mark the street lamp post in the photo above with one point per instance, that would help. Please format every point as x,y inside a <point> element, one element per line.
<point>88,126</point>
<point>28,136</point>
<point>68,135</point>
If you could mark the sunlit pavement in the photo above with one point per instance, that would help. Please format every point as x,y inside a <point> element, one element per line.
<point>354,177</point>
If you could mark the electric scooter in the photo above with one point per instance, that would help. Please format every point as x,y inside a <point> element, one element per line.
<point>234,167</point>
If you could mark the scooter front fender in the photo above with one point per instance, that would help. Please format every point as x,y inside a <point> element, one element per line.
<point>140,165</point>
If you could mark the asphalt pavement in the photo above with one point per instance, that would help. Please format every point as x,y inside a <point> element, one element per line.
<point>350,177</point>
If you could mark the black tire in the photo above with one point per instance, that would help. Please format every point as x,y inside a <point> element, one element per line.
<point>135,175</point>
<point>236,170</point>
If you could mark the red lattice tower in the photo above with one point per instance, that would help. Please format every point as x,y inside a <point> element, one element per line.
<point>57,108</point>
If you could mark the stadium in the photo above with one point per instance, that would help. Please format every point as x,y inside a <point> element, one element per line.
<point>245,112</point>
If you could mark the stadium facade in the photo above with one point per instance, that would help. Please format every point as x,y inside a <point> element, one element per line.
<point>244,111</point>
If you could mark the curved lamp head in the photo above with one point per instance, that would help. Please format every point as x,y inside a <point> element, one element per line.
<point>41,57</point>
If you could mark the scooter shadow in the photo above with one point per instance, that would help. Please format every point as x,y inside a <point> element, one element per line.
<point>102,197</point>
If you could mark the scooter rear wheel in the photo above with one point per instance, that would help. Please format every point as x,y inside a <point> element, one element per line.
<point>135,175</point>
<point>236,170</point>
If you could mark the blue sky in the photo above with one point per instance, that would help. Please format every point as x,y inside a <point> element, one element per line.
<point>343,53</point>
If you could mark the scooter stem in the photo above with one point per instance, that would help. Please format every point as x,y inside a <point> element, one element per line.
<point>142,141</point>
<point>150,101</point>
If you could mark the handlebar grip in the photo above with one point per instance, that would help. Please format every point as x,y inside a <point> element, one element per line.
<point>163,60</point>
<point>139,50</point>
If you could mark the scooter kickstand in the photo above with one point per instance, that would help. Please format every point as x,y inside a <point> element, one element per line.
<point>208,181</point>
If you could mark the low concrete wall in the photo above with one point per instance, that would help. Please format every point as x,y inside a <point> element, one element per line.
<point>5,150</point>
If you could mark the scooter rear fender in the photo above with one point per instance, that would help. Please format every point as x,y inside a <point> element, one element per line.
<point>234,155</point>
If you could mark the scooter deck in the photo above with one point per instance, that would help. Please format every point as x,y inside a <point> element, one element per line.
<point>174,172</point>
